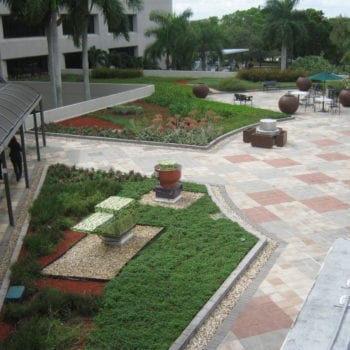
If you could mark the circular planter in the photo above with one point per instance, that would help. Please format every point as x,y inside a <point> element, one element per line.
<point>303,83</point>
<point>201,90</point>
<point>168,178</point>
<point>288,104</point>
<point>344,97</point>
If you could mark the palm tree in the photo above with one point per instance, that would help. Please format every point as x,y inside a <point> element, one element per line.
<point>209,39</point>
<point>115,16</point>
<point>43,13</point>
<point>172,37</point>
<point>283,24</point>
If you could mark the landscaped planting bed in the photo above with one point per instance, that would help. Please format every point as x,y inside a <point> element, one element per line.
<point>172,114</point>
<point>156,294</point>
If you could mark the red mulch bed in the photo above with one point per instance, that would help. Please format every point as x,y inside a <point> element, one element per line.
<point>84,121</point>
<point>70,238</point>
<point>73,286</point>
<point>5,330</point>
<point>68,285</point>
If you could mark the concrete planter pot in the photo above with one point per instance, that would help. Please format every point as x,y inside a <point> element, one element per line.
<point>303,83</point>
<point>168,178</point>
<point>344,97</point>
<point>201,90</point>
<point>288,104</point>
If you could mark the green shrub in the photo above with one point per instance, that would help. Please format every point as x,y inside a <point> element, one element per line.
<point>42,333</point>
<point>110,73</point>
<point>258,74</point>
<point>24,272</point>
<point>127,109</point>
<point>52,302</point>
<point>232,84</point>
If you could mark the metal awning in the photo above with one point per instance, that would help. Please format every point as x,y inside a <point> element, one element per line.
<point>17,102</point>
<point>231,51</point>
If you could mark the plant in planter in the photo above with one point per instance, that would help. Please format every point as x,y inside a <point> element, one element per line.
<point>112,221</point>
<point>288,103</point>
<point>168,174</point>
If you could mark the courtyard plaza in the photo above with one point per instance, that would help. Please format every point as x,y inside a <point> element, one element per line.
<point>297,196</point>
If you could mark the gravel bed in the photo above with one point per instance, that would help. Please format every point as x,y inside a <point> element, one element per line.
<point>91,258</point>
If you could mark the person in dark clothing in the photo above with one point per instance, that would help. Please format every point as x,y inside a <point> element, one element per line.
<point>15,156</point>
<point>0,168</point>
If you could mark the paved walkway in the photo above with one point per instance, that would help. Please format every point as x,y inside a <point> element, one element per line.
<point>298,194</point>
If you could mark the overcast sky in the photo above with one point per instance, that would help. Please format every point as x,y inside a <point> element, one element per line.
<point>208,8</point>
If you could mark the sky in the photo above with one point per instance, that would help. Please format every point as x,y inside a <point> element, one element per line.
<point>207,8</point>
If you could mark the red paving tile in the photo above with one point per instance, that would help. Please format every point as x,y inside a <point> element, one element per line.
<point>281,163</point>
<point>270,197</point>
<point>324,204</point>
<point>241,158</point>
<point>260,215</point>
<point>345,132</point>
<point>333,156</point>
<point>315,178</point>
<point>261,315</point>
<point>347,182</point>
<point>325,142</point>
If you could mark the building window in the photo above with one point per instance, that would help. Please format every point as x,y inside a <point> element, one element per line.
<point>67,26</point>
<point>131,21</point>
<point>27,67</point>
<point>73,60</point>
<point>124,57</point>
<point>18,29</point>
<point>131,24</point>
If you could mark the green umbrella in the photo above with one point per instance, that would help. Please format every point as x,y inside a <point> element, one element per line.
<point>324,76</point>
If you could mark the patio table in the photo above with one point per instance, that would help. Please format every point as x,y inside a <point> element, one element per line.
<point>324,100</point>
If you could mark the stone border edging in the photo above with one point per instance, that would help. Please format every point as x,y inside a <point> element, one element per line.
<point>220,294</point>
<point>160,144</point>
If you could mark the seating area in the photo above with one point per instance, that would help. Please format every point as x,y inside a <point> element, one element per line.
<point>241,98</point>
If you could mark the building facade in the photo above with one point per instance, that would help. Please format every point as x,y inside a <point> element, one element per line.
<point>23,48</point>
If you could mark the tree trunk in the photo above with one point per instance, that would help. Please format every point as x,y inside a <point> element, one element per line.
<point>50,63</point>
<point>56,54</point>
<point>203,61</point>
<point>284,56</point>
<point>85,63</point>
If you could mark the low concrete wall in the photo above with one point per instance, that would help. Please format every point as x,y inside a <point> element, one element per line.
<point>187,74</point>
<point>172,73</point>
<point>95,104</point>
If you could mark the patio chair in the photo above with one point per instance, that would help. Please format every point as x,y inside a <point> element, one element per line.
<point>334,106</point>
<point>308,101</point>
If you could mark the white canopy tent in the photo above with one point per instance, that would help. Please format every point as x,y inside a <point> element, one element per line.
<point>231,51</point>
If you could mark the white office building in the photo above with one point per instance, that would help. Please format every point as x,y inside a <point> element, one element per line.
<point>24,48</point>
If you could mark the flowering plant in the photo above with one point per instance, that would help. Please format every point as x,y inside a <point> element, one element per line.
<point>167,165</point>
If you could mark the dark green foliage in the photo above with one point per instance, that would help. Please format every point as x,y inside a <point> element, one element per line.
<point>50,302</point>
<point>233,84</point>
<point>42,333</point>
<point>270,74</point>
<point>24,272</point>
<point>109,73</point>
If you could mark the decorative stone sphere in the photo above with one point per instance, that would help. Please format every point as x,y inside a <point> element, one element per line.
<point>303,83</point>
<point>288,104</point>
<point>201,90</point>
<point>344,97</point>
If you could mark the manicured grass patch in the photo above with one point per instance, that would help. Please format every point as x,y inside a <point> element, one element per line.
<point>157,294</point>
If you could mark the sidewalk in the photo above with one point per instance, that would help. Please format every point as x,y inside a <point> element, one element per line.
<point>299,194</point>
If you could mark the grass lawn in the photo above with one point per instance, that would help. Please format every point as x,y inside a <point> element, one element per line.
<point>157,293</point>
